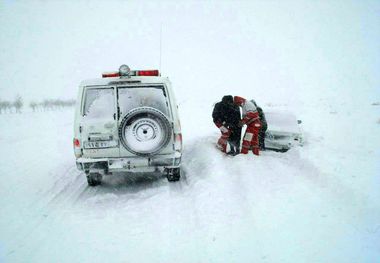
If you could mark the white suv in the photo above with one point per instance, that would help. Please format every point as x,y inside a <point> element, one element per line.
<point>127,121</point>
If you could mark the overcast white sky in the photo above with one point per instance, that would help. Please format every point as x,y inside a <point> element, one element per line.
<point>281,49</point>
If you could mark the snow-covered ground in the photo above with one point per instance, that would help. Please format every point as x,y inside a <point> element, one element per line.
<point>318,203</point>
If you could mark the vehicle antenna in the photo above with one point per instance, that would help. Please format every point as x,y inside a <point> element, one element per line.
<point>160,47</point>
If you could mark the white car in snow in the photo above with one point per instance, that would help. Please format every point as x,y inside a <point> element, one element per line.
<point>127,121</point>
<point>284,131</point>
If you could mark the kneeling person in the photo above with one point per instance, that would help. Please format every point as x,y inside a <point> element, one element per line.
<point>226,117</point>
<point>252,120</point>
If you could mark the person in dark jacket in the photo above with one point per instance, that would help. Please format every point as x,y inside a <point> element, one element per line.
<point>226,117</point>
<point>264,126</point>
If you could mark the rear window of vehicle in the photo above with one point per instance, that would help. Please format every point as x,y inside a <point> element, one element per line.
<point>146,96</point>
<point>99,103</point>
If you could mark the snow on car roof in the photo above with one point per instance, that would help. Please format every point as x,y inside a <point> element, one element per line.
<point>282,121</point>
<point>107,81</point>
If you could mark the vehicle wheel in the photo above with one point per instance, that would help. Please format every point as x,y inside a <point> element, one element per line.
<point>145,131</point>
<point>94,179</point>
<point>173,174</point>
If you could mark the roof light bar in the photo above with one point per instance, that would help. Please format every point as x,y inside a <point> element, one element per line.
<point>110,74</point>
<point>154,72</point>
<point>125,71</point>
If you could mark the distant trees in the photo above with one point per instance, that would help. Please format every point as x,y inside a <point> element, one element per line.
<point>18,103</point>
<point>50,104</point>
<point>33,105</point>
<point>47,104</point>
<point>7,106</point>
<point>2,106</point>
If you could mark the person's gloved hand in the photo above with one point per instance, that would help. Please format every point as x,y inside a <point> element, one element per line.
<point>223,129</point>
<point>218,124</point>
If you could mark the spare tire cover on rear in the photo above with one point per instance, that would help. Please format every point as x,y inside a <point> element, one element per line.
<point>145,131</point>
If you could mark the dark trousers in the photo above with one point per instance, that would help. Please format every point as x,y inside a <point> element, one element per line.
<point>235,137</point>
<point>263,129</point>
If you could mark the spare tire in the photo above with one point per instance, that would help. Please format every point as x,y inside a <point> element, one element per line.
<point>144,131</point>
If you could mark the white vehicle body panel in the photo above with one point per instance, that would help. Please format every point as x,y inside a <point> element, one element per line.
<point>283,131</point>
<point>93,132</point>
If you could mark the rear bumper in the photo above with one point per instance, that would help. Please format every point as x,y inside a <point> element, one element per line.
<point>283,141</point>
<point>130,164</point>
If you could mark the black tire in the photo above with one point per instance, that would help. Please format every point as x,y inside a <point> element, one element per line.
<point>173,174</point>
<point>94,179</point>
<point>145,125</point>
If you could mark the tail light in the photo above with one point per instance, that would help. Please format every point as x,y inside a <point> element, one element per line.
<point>178,142</point>
<point>76,142</point>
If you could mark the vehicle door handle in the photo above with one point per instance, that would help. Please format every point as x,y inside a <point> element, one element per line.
<point>118,112</point>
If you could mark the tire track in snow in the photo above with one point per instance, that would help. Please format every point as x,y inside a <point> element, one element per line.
<point>49,208</point>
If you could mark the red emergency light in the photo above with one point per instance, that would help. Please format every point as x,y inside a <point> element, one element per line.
<point>110,74</point>
<point>124,71</point>
<point>154,72</point>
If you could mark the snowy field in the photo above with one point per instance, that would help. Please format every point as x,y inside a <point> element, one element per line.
<point>316,59</point>
<point>318,203</point>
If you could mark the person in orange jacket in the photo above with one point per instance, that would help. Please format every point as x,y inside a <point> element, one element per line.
<point>252,120</point>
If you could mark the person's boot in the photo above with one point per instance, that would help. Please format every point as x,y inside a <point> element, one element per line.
<point>232,153</point>
<point>255,151</point>
<point>232,149</point>
<point>237,151</point>
<point>245,147</point>
<point>244,150</point>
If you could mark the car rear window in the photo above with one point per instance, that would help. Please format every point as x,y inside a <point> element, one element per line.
<point>146,96</point>
<point>99,103</point>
